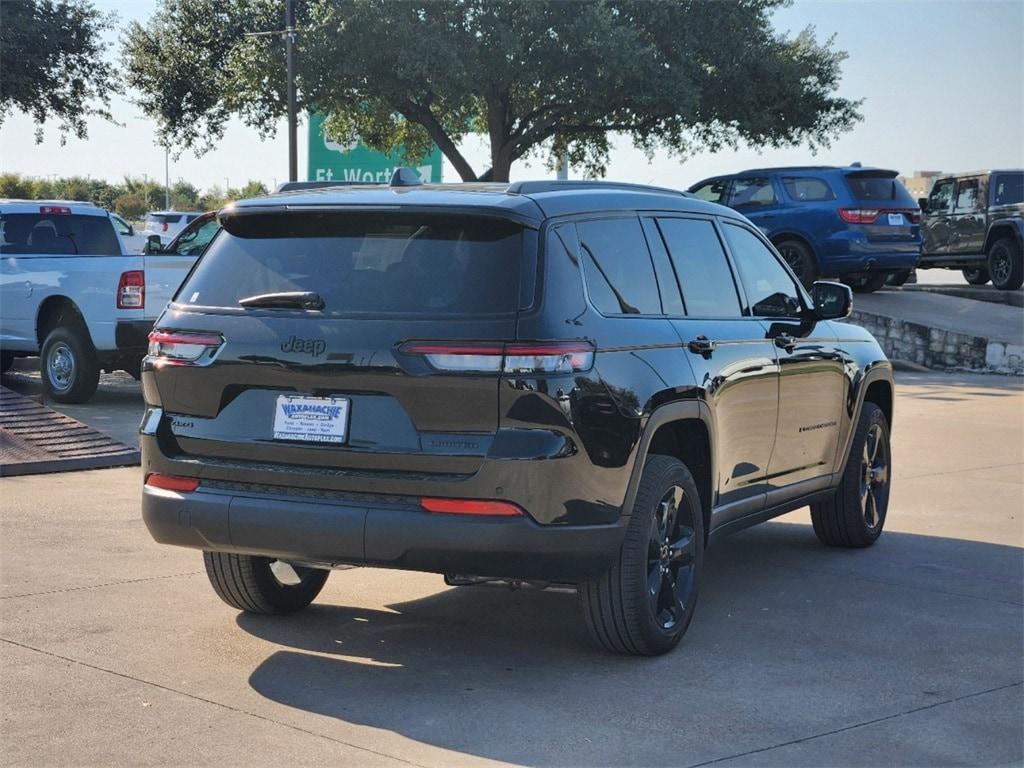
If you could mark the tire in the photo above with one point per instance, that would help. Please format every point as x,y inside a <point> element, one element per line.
<point>6,361</point>
<point>1005,265</point>
<point>68,365</point>
<point>248,583</point>
<point>869,283</point>
<point>898,278</point>
<point>620,610</point>
<point>977,276</point>
<point>800,259</point>
<point>855,515</point>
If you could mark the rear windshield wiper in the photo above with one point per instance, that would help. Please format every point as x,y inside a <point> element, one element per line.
<point>284,300</point>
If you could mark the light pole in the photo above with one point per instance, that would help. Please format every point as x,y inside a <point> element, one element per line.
<point>289,42</point>
<point>167,179</point>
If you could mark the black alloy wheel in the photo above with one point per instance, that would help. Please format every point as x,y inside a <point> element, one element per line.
<point>874,485</point>
<point>643,604</point>
<point>800,259</point>
<point>976,276</point>
<point>670,559</point>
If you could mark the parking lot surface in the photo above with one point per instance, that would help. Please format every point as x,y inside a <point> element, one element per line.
<point>115,651</point>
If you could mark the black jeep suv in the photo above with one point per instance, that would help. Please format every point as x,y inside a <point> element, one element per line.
<point>548,383</point>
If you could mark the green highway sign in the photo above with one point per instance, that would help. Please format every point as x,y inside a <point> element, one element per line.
<point>330,161</point>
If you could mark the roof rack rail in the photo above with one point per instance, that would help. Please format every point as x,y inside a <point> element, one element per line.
<point>559,185</point>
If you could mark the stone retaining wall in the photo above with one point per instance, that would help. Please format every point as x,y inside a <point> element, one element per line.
<point>938,348</point>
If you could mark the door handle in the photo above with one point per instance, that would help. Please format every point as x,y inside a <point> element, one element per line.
<point>785,341</point>
<point>702,346</point>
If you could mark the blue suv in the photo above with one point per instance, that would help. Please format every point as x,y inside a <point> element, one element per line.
<point>856,223</point>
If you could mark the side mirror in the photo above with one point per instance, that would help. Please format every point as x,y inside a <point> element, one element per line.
<point>153,244</point>
<point>832,301</point>
<point>922,203</point>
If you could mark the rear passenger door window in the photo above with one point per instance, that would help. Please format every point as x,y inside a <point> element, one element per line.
<point>616,262</point>
<point>807,190</point>
<point>967,195</point>
<point>705,278</point>
<point>770,290</point>
<point>752,193</point>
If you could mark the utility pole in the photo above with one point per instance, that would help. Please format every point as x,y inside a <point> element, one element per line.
<point>289,41</point>
<point>563,167</point>
<point>167,179</point>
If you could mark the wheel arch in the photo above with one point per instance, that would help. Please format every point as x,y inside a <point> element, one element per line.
<point>787,234</point>
<point>682,430</point>
<point>52,312</point>
<point>880,393</point>
<point>1005,228</point>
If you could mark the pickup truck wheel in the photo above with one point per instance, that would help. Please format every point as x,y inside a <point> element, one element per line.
<point>262,584</point>
<point>643,604</point>
<point>868,283</point>
<point>68,366</point>
<point>1005,264</point>
<point>854,516</point>
<point>800,260</point>
<point>977,276</point>
<point>898,278</point>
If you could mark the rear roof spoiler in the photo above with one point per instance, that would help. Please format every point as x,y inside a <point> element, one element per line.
<point>871,173</point>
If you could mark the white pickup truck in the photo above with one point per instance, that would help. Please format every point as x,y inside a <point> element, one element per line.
<point>72,294</point>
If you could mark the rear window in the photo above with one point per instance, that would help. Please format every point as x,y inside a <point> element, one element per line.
<point>881,188</point>
<point>163,218</point>
<point>60,234</point>
<point>807,190</point>
<point>365,263</point>
<point>1008,189</point>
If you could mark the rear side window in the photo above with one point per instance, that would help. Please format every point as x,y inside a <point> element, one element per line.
<point>699,260</point>
<point>617,265</point>
<point>752,193</point>
<point>879,188</point>
<point>193,241</point>
<point>967,195</point>
<point>713,191</point>
<point>367,263</point>
<point>163,218</point>
<point>1007,189</point>
<point>808,190</point>
<point>60,234</point>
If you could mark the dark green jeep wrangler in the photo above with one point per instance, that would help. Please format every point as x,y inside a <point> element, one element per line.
<point>975,222</point>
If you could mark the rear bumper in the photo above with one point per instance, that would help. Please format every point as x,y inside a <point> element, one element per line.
<point>396,535</point>
<point>132,336</point>
<point>871,261</point>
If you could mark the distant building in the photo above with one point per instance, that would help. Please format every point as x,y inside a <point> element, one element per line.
<point>920,184</point>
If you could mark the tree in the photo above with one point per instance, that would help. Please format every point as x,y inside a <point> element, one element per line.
<point>253,189</point>
<point>545,74</point>
<point>131,206</point>
<point>51,63</point>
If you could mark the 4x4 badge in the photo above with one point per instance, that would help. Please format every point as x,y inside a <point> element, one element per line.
<point>314,347</point>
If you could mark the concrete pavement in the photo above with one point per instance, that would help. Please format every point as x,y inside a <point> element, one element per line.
<point>115,651</point>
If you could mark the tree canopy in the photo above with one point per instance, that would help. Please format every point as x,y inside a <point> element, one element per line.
<point>546,75</point>
<point>52,65</point>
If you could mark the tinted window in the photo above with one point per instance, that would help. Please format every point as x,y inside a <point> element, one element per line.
<point>194,241</point>
<point>808,190</point>
<point>967,195</point>
<point>121,225</point>
<point>752,192</point>
<point>713,191</point>
<point>668,285</point>
<point>703,271</point>
<point>880,188</point>
<point>770,290</point>
<point>376,263</point>
<point>58,234</point>
<point>620,277</point>
<point>1007,189</point>
<point>941,195</point>
<point>163,218</point>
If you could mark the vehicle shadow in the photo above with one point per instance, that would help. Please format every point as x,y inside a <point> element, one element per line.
<point>790,638</point>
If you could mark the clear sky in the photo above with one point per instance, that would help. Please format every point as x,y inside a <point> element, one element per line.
<point>943,83</point>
